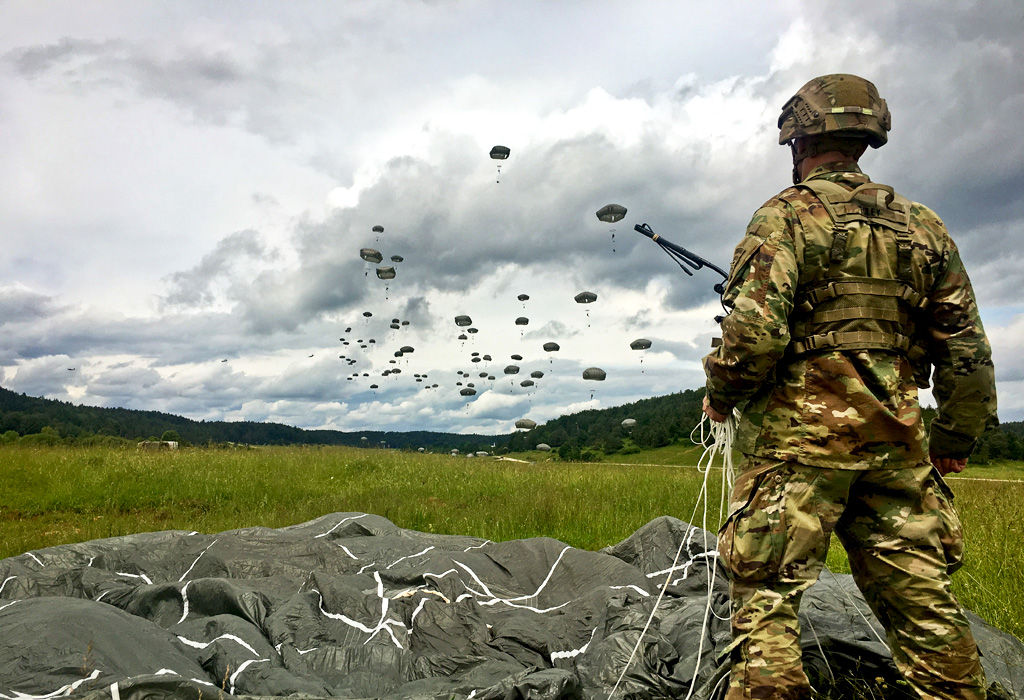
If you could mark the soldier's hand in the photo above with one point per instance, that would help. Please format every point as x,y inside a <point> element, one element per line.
<point>945,465</point>
<point>712,413</point>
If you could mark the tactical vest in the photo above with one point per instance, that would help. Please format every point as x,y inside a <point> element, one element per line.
<point>839,311</point>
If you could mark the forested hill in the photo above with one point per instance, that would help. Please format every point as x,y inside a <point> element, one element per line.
<point>27,415</point>
<point>660,421</point>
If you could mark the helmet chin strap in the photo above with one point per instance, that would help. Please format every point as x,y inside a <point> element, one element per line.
<point>799,156</point>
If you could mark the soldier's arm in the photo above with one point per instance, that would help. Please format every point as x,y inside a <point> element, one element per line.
<point>760,288</point>
<point>963,378</point>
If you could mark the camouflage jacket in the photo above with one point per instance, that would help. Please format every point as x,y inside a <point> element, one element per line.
<point>847,409</point>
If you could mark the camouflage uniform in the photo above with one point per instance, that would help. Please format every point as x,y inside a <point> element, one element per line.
<point>834,439</point>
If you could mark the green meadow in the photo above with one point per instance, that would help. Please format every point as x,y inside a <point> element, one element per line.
<point>56,495</point>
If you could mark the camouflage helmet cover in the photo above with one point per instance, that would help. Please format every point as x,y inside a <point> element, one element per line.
<point>839,104</point>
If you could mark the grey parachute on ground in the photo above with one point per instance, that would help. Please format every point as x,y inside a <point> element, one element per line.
<point>370,255</point>
<point>293,612</point>
<point>594,373</point>
<point>543,447</point>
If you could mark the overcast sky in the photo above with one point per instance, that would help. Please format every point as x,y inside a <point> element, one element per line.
<point>185,188</point>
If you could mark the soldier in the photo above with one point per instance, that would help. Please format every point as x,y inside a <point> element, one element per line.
<point>846,297</point>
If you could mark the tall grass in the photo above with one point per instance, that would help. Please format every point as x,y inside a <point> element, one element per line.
<point>51,496</point>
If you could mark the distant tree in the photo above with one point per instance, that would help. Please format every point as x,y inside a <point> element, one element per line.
<point>170,436</point>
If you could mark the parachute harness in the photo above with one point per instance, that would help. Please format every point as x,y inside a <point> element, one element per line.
<point>718,439</point>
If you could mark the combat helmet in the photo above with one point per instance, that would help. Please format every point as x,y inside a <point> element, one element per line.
<point>840,105</point>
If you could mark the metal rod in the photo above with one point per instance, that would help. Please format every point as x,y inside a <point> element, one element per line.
<point>694,260</point>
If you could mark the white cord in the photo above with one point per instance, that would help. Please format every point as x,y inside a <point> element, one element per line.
<point>722,435</point>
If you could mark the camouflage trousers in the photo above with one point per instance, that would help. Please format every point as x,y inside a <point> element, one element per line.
<point>903,539</point>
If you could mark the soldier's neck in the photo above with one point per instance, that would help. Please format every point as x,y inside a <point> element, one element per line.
<point>811,162</point>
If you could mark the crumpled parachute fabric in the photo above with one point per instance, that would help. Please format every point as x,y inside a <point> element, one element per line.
<point>350,605</point>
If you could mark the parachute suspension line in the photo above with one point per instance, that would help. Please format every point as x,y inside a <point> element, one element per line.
<point>723,435</point>
<point>854,605</point>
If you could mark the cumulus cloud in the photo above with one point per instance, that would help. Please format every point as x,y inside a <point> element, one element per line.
<point>250,155</point>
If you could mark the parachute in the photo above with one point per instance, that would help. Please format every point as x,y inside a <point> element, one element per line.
<point>594,373</point>
<point>543,447</point>
<point>536,374</point>
<point>610,213</point>
<point>526,382</point>
<point>472,330</point>
<point>406,349</point>
<point>463,320</point>
<point>370,255</point>
<point>517,358</point>
<point>395,326</point>
<point>523,297</point>
<point>585,298</point>
<point>500,153</point>
<point>367,314</point>
<point>487,358</point>
<point>463,336</point>
<point>468,392</point>
<point>378,229</point>
<point>386,273</point>
<point>552,347</point>
<point>397,258</point>
<point>522,321</point>
<point>512,369</point>
<point>640,344</point>
<point>526,424</point>
<point>629,423</point>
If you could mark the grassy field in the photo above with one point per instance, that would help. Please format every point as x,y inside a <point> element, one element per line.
<point>51,496</point>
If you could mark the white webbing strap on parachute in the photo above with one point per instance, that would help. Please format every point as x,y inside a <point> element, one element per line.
<point>721,437</point>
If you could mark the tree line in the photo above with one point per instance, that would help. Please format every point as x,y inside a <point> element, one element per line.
<point>587,435</point>
<point>52,421</point>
